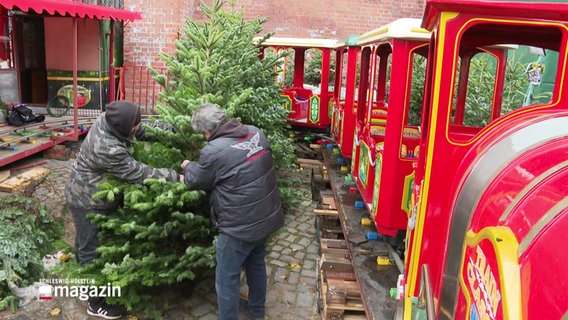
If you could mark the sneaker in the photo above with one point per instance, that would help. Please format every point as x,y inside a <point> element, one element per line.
<point>103,310</point>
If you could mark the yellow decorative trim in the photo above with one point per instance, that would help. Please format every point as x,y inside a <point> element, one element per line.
<point>506,248</point>
<point>414,270</point>
<point>405,204</point>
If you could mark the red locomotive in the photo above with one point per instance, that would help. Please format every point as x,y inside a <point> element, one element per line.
<point>489,212</point>
<point>476,185</point>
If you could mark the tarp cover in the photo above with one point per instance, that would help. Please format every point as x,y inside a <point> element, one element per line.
<point>71,9</point>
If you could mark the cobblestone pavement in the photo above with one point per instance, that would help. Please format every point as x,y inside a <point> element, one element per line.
<point>292,255</point>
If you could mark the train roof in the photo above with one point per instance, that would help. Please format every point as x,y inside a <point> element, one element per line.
<point>406,28</point>
<point>546,11</point>
<point>299,42</point>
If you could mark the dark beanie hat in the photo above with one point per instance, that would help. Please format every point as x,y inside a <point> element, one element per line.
<point>122,116</point>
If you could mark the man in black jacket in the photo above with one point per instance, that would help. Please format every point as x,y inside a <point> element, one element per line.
<point>236,167</point>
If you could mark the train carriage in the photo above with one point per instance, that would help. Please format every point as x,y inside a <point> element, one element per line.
<point>344,95</point>
<point>307,97</point>
<point>489,206</point>
<point>386,134</point>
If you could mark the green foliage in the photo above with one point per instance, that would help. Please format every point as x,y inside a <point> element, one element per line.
<point>312,73</point>
<point>417,89</point>
<point>161,235</point>
<point>25,237</point>
<point>4,109</point>
<point>216,61</point>
<point>480,88</point>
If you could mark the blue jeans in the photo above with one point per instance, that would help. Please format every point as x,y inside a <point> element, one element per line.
<point>232,256</point>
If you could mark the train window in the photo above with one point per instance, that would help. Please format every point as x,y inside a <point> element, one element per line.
<point>382,77</point>
<point>279,69</point>
<point>408,147</point>
<point>288,69</point>
<point>501,68</point>
<point>344,60</point>
<point>332,64</point>
<point>417,89</point>
<point>531,74</point>
<point>313,59</point>
<point>474,109</point>
<point>363,79</point>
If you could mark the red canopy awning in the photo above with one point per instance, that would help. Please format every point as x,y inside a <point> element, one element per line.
<point>71,9</point>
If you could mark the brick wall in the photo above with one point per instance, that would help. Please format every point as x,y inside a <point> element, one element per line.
<point>337,19</point>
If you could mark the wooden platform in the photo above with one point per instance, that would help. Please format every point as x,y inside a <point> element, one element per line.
<point>374,280</point>
<point>17,143</point>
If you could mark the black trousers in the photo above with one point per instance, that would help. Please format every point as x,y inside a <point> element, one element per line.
<point>86,240</point>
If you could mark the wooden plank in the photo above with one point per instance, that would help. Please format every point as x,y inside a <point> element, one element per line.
<point>309,161</point>
<point>335,262</point>
<point>308,149</point>
<point>375,281</point>
<point>4,174</point>
<point>328,203</point>
<point>331,314</point>
<point>337,246</point>
<point>326,212</point>
<point>23,179</point>
<point>351,288</point>
<point>346,276</point>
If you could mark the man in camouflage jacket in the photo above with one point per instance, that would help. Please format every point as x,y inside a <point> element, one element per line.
<point>105,150</point>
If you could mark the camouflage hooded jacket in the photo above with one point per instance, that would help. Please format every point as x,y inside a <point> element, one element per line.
<point>102,152</point>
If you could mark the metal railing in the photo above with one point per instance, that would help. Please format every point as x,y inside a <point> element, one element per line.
<point>137,85</point>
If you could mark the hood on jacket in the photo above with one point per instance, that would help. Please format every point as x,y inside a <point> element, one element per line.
<point>230,129</point>
<point>122,116</point>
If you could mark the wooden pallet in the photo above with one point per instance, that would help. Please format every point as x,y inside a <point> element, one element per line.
<point>334,246</point>
<point>340,297</point>
<point>311,151</point>
<point>22,180</point>
<point>327,225</point>
<point>319,181</point>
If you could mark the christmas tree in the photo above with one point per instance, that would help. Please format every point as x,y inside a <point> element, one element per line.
<point>162,235</point>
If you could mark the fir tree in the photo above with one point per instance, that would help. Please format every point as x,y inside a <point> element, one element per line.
<point>161,235</point>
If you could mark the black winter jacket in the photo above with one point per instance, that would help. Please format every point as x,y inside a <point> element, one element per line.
<point>236,167</point>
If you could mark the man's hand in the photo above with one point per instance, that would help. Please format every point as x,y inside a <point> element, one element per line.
<point>181,178</point>
<point>184,163</point>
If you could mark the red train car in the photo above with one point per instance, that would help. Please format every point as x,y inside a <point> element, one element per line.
<point>345,96</point>
<point>307,97</point>
<point>386,133</point>
<point>489,210</point>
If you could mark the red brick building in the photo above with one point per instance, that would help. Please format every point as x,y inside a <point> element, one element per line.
<point>163,19</point>
<point>336,19</point>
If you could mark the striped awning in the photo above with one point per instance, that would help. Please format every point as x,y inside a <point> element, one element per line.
<point>68,8</point>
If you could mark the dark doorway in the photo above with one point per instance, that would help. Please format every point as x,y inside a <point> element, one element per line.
<point>30,42</point>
